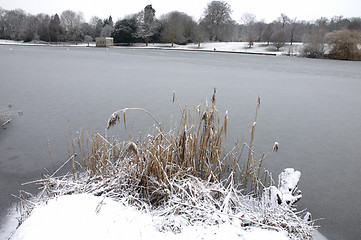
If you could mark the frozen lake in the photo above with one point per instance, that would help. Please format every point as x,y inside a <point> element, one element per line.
<point>311,107</point>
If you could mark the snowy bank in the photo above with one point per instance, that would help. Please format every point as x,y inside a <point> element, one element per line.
<point>229,47</point>
<point>42,43</point>
<point>84,216</point>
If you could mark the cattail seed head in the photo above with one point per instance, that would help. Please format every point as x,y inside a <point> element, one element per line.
<point>132,148</point>
<point>214,96</point>
<point>113,120</point>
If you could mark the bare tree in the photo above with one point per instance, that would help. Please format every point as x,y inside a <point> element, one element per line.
<point>88,39</point>
<point>267,33</point>
<point>284,19</point>
<point>200,34</point>
<point>355,24</point>
<point>290,27</point>
<point>13,24</point>
<point>314,44</point>
<point>291,30</point>
<point>30,28</point>
<point>178,28</point>
<point>172,29</point>
<point>338,23</point>
<point>97,25</point>
<point>322,23</point>
<point>249,20</point>
<point>301,29</point>
<point>2,22</point>
<point>258,30</point>
<point>72,22</point>
<point>217,16</point>
<point>278,39</point>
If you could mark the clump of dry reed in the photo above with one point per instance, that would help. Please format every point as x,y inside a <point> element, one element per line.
<point>195,147</point>
<point>185,171</point>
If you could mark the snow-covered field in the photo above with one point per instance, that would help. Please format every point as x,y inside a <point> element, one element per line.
<point>41,43</point>
<point>239,47</point>
<point>236,47</point>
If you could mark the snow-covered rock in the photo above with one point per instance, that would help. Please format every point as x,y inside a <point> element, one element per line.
<point>286,192</point>
<point>287,185</point>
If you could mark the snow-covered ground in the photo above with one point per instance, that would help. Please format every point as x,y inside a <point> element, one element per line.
<point>41,43</point>
<point>12,42</point>
<point>84,216</point>
<point>236,47</point>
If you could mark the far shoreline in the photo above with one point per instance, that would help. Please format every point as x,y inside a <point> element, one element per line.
<point>218,47</point>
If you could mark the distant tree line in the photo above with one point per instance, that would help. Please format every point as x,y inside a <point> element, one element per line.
<point>216,24</point>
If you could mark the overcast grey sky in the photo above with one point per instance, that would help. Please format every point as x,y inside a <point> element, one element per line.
<point>268,10</point>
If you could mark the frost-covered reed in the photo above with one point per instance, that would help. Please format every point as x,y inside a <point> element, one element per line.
<point>185,171</point>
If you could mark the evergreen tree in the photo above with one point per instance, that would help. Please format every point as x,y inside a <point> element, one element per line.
<point>108,21</point>
<point>55,29</point>
<point>146,23</point>
<point>125,31</point>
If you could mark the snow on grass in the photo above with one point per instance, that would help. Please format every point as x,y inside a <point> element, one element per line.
<point>195,209</point>
<point>84,216</point>
<point>12,42</point>
<point>42,43</point>
<point>235,47</point>
<point>232,47</point>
